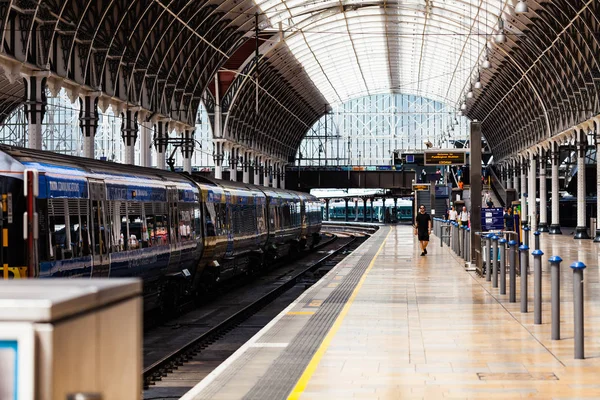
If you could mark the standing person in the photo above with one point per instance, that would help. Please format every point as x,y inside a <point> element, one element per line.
<point>509,220</point>
<point>453,214</point>
<point>423,229</point>
<point>423,175</point>
<point>487,199</point>
<point>464,217</point>
<point>461,184</point>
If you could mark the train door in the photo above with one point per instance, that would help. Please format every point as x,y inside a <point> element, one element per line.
<point>174,228</point>
<point>98,229</point>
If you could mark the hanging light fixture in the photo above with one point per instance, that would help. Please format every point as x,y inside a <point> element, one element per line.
<point>500,36</point>
<point>478,84</point>
<point>463,106</point>
<point>486,62</point>
<point>521,7</point>
<point>470,94</point>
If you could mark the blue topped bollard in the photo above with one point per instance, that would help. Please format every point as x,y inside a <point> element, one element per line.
<point>502,250</point>
<point>578,268</point>
<point>524,249</point>
<point>537,286</point>
<point>555,295</point>
<point>536,236</point>
<point>487,250</point>
<point>494,262</point>
<point>526,236</point>
<point>512,270</point>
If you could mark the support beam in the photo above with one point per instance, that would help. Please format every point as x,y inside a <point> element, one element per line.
<point>282,177</point>
<point>246,166</point>
<point>543,226</point>
<point>275,175</point>
<point>35,108</point>
<point>187,150</point>
<point>476,187</point>
<point>145,136</point>
<point>218,156</point>
<point>509,180</point>
<point>161,136</point>
<point>129,133</point>
<point>267,166</point>
<point>532,196</point>
<point>555,158</point>
<point>257,169</point>
<point>524,214</point>
<point>233,163</point>
<point>581,230</point>
<point>597,143</point>
<point>88,122</point>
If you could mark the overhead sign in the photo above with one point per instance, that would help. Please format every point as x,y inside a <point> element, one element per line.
<point>441,157</point>
<point>422,186</point>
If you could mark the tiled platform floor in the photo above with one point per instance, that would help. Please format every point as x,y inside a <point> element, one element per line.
<point>423,327</point>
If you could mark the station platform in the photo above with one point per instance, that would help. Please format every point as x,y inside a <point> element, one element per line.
<point>387,323</point>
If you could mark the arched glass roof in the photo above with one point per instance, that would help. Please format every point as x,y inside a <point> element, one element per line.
<point>351,48</point>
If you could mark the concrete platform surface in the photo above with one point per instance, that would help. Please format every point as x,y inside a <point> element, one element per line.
<point>388,323</point>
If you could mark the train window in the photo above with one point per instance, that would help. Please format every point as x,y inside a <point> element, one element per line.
<point>161,234</point>
<point>209,219</point>
<point>221,219</point>
<point>186,228</point>
<point>135,230</point>
<point>99,236</point>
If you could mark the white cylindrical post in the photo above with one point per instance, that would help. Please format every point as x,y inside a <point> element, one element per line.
<point>145,136</point>
<point>161,141</point>
<point>597,139</point>
<point>129,132</point>
<point>246,167</point>
<point>532,196</point>
<point>581,230</point>
<point>35,108</point>
<point>266,167</point>
<point>187,150</point>
<point>555,158</point>
<point>523,191</point>
<point>543,226</point>
<point>257,171</point>
<point>88,122</point>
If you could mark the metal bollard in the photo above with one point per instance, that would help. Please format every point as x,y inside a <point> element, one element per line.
<point>555,295</point>
<point>578,268</point>
<point>461,239</point>
<point>502,243</point>
<point>487,249</point>
<point>524,249</point>
<point>512,261</point>
<point>536,238</point>
<point>537,286</point>
<point>468,259</point>
<point>456,235</point>
<point>494,261</point>
<point>464,243</point>
<point>526,236</point>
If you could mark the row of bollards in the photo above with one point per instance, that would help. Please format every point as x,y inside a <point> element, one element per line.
<point>494,248</point>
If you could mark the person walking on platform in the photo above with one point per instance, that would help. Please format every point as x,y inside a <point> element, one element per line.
<point>453,215</point>
<point>464,217</point>
<point>423,229</point>
<point>509,220</point>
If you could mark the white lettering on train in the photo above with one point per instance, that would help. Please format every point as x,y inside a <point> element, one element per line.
<point>64,186</point>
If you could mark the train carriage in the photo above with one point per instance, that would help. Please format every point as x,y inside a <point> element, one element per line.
<point>180,234</point>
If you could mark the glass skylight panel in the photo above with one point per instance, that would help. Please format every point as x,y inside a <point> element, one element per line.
<point>351,48</point>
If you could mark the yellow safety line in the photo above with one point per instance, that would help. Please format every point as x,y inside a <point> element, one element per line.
<point>316,359</point>
<point>300,313</point>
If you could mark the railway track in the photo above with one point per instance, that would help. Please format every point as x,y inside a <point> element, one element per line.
<point>330,254</point>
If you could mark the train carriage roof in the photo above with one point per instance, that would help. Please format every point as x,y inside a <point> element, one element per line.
<point>54,163</point>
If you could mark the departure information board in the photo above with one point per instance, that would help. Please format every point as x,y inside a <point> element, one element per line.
<point>492,219</point>
<point>440,157</point>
